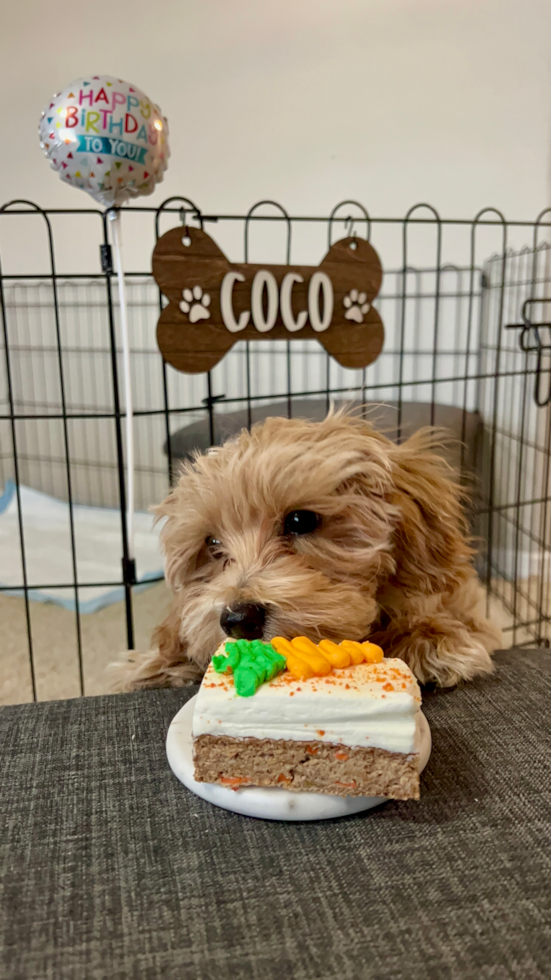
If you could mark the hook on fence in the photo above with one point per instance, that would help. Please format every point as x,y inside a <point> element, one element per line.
<point>349,227</point>
<point>349,222</point>
<point>191,209</point>
<point>194,214</point>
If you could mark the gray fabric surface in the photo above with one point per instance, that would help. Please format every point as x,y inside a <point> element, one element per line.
<point>463,427</point>
<point>111,869</point>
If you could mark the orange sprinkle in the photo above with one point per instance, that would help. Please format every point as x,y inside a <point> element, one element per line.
<point>388,686</point>
<point>342,756</point>
<point>320,731</point>
<point>284,678</point>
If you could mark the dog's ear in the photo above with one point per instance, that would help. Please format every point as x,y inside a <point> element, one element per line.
<point>181,537</point>
<point>166,638</point>
<point>169,666</point>
<point>165,665</point>
<point>431,542</point>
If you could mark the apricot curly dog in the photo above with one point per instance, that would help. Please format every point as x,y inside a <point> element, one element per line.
<point>326,529</point>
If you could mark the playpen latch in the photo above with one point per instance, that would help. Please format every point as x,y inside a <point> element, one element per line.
<point>106,259</point>
<point>129,571</point>
<point>532,340</point>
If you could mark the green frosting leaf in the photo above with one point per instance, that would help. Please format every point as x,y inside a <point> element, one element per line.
<point>251,662</point>
<point>233,659</point>
<point>246,681</point>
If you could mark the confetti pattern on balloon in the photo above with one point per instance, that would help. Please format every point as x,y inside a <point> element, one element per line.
<point>106,137</point>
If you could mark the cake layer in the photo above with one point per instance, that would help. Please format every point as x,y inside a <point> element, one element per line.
<point>364,705</point>
<point>316,767</point>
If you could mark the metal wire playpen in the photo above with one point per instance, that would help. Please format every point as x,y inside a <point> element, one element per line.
<point>465,304</point>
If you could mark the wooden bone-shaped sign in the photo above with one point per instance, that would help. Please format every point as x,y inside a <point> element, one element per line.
<point>212,303</point>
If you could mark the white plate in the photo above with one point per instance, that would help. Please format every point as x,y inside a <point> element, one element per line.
<point>273,803</point>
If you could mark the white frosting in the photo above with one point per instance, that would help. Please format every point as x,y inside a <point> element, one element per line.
<point>368,705</point>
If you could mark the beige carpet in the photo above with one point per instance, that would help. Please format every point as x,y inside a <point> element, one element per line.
<point>54,642</point>
<point>103,639</point>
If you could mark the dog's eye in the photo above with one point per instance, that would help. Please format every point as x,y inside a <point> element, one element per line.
<point>301,522</point>
<point>214,546</point>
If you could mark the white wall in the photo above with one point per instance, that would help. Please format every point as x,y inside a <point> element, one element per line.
<point>307,101</point>
<point>390,102</point>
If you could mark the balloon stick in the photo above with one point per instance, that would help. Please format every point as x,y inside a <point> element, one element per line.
<point>115,219</point>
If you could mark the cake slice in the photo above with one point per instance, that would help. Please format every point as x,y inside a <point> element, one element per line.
<point>345,731</point>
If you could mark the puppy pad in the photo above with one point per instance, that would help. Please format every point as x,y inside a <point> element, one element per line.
<point>49,559</point>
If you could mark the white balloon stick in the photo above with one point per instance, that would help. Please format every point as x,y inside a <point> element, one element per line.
<point>127,381</point>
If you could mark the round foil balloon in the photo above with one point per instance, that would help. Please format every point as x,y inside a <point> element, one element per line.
<point>106,137</point>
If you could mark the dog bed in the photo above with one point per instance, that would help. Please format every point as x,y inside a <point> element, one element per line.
<point>461,426</point>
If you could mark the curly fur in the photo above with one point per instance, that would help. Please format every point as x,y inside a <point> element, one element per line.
<point>391,559</point>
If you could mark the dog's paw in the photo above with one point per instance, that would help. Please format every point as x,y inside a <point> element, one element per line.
<point>195,303</point>
<point>445,659</point>
<point>356,306</point>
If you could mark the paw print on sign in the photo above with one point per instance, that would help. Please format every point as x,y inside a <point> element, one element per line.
<point>195,304</point>
<point>356,306</point>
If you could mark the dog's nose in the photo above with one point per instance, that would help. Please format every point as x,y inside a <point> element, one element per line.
<point>244,621</point>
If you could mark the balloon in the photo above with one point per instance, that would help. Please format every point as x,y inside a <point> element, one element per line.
<point>106,137</point>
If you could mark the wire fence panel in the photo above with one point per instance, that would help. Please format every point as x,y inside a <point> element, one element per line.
<point>466,307</point>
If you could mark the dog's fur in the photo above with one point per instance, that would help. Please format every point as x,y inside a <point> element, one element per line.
<point>390,560</point>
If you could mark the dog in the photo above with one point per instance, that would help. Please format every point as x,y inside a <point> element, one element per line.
<point>324,529</point>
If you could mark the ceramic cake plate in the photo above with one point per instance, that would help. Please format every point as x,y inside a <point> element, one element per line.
<point>272,803</point>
